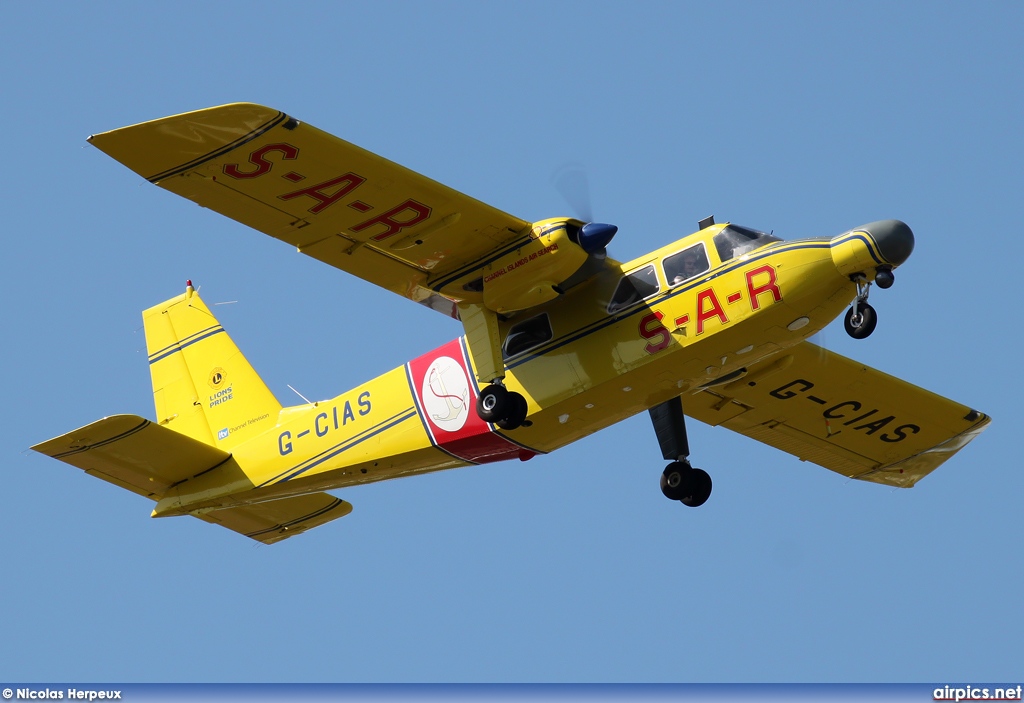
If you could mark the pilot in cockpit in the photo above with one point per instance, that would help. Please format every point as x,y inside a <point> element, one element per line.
<point>692,264</point>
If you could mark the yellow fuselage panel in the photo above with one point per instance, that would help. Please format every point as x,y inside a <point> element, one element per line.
<point>366,427</point>
<point>597,372</point>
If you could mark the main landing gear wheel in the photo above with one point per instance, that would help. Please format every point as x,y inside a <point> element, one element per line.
<point>673,478</point>
<point>506,409</point>
<point>699,487</point>
<point>679,481</point>
<point>860,320</point>
<point>493,403</point>
<point>516,412</point>
<point>691,487</point>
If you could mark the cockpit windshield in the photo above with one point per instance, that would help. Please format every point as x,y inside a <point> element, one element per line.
<point>735,241</point>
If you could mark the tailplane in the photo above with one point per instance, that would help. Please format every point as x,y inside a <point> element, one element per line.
<point>202,385</point>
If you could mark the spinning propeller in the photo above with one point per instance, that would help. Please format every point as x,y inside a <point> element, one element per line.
<point>571,181</point>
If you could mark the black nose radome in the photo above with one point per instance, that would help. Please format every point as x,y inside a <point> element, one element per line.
<point>895,240</point>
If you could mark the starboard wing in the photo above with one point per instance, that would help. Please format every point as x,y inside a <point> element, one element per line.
<point>333,200</point>
<point>840,414</point>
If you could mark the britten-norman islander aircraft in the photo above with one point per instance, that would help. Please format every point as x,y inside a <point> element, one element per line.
<point>560,339</point>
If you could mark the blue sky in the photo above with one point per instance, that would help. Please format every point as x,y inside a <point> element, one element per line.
<point>803,118</point>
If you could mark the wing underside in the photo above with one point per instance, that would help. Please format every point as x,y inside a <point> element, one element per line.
<point>840,414</point>
<point>331,199</point>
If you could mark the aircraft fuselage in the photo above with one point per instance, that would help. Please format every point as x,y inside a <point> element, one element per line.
<point>596,369</point>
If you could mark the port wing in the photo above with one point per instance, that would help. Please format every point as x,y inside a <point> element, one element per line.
<point>840,414</point>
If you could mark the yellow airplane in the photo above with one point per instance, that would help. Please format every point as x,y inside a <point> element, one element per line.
<point>560,339</point>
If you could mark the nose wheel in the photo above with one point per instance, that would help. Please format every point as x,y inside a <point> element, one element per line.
<point>861,318</point>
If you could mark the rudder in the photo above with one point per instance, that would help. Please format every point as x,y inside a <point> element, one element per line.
<point>203,386</point>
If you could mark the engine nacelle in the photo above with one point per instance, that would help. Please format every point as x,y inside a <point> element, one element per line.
<point>529,275</point>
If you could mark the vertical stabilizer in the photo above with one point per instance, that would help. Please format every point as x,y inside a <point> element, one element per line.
<point>202,385</point>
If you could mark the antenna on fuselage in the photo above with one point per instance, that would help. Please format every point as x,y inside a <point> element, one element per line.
<point>706,222</point>
<point>308,401</point>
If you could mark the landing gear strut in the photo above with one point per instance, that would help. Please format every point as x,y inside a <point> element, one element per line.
<point>506,409</point>
<point>861,318</point>
<point>679,480</point>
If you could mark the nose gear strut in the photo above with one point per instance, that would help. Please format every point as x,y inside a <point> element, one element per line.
<point>861,318</point>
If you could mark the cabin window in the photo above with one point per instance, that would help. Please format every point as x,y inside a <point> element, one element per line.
<point>684,265</point>
<point>637,286</point>
<point>527,335</point>
<point>736,241</point>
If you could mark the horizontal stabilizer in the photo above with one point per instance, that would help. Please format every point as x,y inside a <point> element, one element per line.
<point>276,520</point>
<point>134,453</point>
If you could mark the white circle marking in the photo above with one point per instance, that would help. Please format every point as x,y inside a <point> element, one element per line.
<point>445,394</point>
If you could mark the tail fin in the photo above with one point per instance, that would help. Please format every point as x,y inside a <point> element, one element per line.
<point>203,386</point>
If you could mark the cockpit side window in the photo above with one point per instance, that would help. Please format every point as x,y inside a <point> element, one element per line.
<point>527,335</point>
<point>634,287</point>
<point>736,241</point>
<point>684,265</point>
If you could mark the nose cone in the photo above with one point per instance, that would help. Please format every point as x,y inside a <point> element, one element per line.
<point>595,236</point>
<point>895,240</point>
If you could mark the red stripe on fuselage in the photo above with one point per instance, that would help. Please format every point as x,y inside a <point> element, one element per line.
<point>445,391</point>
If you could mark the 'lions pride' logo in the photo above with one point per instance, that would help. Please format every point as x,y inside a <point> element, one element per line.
<point>217,378</point>
<point>446,394</point>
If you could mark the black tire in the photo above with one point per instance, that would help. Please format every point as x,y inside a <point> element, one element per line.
<point>698,489</point>
<point>517,410</point>
<point>867,322</point>
<point>493,403</point>
<point>674,480</point>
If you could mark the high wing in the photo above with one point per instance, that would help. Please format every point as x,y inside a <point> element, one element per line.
<point>145,458</point>
<point>333,200</point>
<point>840,414</point>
